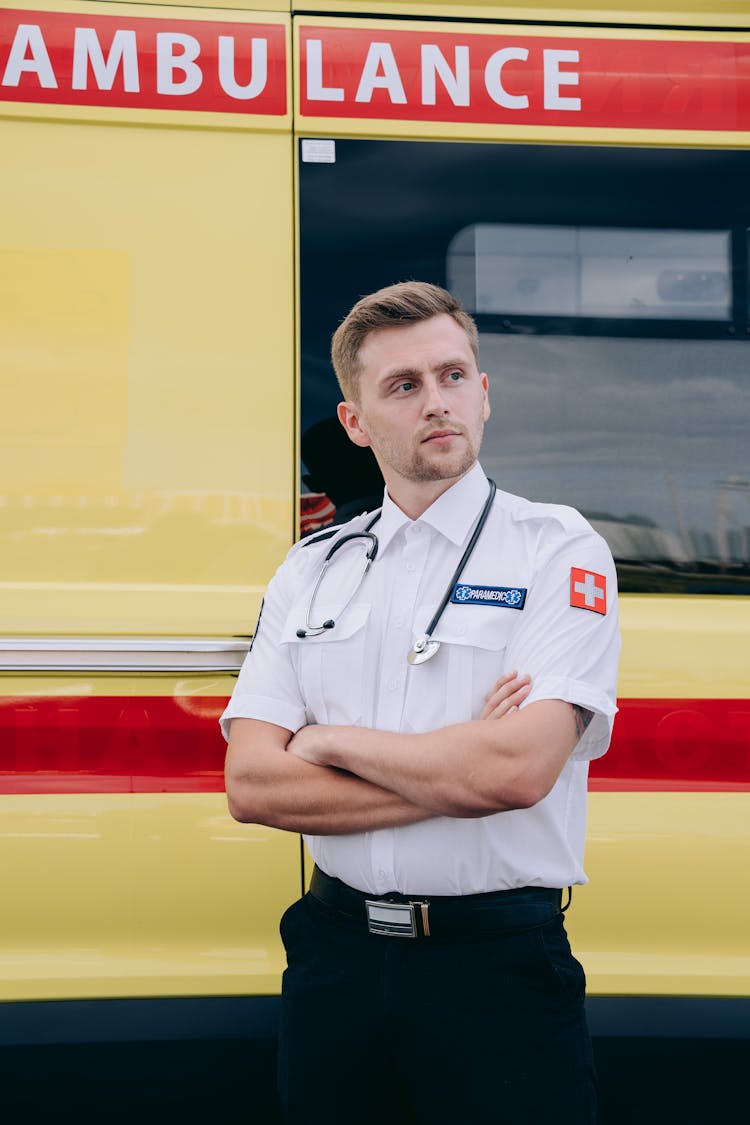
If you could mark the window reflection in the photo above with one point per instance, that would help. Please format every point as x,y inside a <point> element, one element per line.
<point>648,438</point>
<point>603,272</point>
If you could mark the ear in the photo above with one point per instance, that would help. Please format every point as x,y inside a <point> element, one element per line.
<point>485,387</point>
<point>350,419</point>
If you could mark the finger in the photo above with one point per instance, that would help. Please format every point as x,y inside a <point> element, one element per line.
<point>501,683</point>
<point>509,697</point>
<point>503,690</point>
<point>505,686</point>
<point>511,704</point>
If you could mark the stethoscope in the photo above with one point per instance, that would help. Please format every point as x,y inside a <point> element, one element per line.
<point>425,647</point>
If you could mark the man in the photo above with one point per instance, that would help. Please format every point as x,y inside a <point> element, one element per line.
<point>429,976</point>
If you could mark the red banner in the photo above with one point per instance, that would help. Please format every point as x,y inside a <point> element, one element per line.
<point>506,78</point>
<point>464,78</point>
<point>90,60</point>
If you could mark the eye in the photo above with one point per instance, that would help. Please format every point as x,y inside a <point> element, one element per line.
<point>404,387</point>
<point>455,376</point>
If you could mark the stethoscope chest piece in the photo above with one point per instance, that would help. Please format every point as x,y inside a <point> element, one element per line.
<point>424,650</point>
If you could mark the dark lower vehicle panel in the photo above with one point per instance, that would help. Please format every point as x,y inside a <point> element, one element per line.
<point>148,1062</point>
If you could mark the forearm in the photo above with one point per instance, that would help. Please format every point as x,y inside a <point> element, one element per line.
<point>468,770</point>
<point>281,791</point>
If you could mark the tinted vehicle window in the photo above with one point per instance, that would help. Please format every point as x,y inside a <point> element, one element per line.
<point>610,289</point>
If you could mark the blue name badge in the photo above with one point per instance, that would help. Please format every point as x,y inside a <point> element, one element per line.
<point>513,597</point>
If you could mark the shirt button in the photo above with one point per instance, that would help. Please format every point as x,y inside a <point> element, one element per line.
<point>398,623</point>
<point>460,629</point>
<point>410,567</point>
<point>392,685</point>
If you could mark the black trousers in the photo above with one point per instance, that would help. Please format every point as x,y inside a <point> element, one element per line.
<point>429,1032</point>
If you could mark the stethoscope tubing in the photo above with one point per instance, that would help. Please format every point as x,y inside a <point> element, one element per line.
<point>316,630</point>
<point>425,647</point>
<point>463,560</point>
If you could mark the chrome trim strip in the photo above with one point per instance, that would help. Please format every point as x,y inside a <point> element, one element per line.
<point>122,654</point>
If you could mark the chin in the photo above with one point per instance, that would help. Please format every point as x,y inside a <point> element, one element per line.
<point>447,470</point>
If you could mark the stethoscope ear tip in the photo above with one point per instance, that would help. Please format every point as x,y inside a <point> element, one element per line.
<point>302,633</point>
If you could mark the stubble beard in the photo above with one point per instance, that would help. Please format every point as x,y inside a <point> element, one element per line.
<point>420,468</point>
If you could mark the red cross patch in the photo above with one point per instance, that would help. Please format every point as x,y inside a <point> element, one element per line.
<point>588,590</point>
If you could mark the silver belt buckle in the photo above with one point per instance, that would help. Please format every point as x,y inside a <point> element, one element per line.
<point>396,919</point>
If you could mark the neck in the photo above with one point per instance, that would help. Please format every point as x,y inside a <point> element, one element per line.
<point>415,497</point>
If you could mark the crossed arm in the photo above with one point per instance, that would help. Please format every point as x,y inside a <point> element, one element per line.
<point>335,780</point>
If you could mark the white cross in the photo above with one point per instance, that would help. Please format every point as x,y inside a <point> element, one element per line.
<point>591,592</point>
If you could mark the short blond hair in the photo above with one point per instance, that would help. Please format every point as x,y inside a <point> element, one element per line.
<point>408,302</point>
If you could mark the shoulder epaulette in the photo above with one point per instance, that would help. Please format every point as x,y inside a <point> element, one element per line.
<point>331,531</point>
<point>318,538</point>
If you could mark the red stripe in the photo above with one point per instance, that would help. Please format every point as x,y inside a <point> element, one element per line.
<point>165,744</point>
<point>104,744</point>
<point>677,744</point>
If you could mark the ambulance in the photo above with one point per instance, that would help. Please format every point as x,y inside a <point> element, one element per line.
<point>192,198</point>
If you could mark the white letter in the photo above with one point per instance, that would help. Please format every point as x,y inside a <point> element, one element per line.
<point>29,35</point>
<point>316,91</point>
<point>381,54</point>
<point>87,49</point>
<point>456,83</point>
<point>167,63</point>
<point>493,78</point>
<point>553,80</point>
<point>258,68</point>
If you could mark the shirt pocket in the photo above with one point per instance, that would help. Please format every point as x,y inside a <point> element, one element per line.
<point>473,640</point>
<point>330,665</point>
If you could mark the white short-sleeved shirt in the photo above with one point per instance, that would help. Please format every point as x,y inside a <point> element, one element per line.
<point>538,595</point>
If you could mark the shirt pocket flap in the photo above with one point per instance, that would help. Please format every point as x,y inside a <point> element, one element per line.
<point>349,619</point>
<point>485,627</point>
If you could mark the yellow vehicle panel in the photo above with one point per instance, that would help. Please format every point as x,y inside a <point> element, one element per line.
<point>145,303</point>
<point>140,895</point>
<point>123,871</point>
<point>727,13</point>
<point>684,648</point>
<point>662,915</point>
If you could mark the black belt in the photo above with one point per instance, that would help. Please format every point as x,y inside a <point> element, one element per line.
<point>436,916</point>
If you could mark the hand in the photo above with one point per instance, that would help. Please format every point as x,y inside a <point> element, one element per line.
<point>309,744</point>
<point>506,696</point>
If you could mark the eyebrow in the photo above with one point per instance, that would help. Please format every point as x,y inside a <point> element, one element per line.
<point>410,372</point>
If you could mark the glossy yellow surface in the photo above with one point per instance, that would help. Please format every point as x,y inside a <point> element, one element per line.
<point>684,648</point>
<point>249,10</point>
<point>140,895</point>
<point>31,685</point>
<point>666,911</point>
<point>689,13</point>
<point>134,895</point>
<point>146,438</point>
<point>724,13</point>
<point>256,7</point>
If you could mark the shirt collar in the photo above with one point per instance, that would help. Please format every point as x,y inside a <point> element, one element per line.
<point>452,514</point>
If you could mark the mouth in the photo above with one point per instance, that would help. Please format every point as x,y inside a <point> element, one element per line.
<point>438,437</point>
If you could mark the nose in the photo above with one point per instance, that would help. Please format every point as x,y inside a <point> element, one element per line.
<point>434,402</point>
